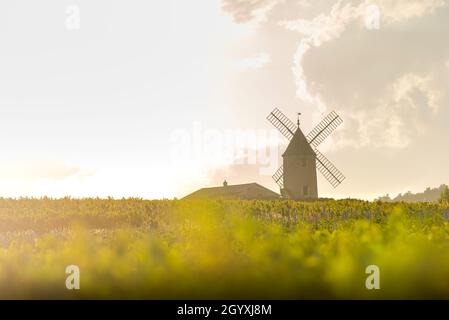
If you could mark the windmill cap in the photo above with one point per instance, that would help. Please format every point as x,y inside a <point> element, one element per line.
<point>299,146</point>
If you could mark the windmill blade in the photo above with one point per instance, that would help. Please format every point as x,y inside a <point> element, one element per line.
<point>279,177</point>
<point>324,129</point>
<point>328,170</point>
<point>282,123</point>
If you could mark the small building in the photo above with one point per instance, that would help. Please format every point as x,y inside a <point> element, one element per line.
<point>248,191</point>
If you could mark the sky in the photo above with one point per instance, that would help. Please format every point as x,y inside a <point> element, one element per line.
<point>156,99</point>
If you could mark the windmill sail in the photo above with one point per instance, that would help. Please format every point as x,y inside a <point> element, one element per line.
<point>328,170</point>
<point>282,123</point>
<point>324,129</point>
<point>279,177</point>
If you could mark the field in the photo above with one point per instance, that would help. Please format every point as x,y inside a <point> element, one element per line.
<point>134,248</point>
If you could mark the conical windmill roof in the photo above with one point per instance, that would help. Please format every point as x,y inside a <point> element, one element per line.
<point>299,146</point>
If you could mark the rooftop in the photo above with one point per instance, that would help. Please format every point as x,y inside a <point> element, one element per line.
<point>238,191</point>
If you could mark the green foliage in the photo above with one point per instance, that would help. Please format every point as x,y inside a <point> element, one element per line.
<point>445,195</point>
<point>133,248</point>
<point>428,195</point>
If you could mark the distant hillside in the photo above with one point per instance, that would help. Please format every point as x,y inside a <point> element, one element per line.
<point>429,195</point>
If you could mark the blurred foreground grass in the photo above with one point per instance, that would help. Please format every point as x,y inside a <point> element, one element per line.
<point>222,249</point>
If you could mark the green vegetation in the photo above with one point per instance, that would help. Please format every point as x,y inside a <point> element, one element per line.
<point>428,195</point>
<point>222,249</point>
<point>445,195</point>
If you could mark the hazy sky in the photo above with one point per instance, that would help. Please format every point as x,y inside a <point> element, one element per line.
<point>158,98</point>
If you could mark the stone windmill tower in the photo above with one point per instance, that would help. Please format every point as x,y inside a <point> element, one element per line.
<point>297,176</point>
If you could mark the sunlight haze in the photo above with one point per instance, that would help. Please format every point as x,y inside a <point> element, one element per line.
<point>152,99</point>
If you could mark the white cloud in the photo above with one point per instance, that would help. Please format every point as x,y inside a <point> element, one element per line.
<point>321,29</point>
<point>384,120</point>
<point>394,118</point>
<point>380,105</point>
<point>405,86</point>
<point>399,10</point>
<point>255,11</point>
<point>326,27</point>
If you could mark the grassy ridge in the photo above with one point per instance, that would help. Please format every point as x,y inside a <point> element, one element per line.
<point>135,248</point>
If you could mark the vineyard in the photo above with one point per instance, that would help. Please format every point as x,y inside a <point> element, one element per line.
<point>135,248</point>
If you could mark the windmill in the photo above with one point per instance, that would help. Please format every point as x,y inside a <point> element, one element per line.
<point>297,176</point>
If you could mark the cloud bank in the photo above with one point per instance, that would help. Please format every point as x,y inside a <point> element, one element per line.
<point>389,81</point>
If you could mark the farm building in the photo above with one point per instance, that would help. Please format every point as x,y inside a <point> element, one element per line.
<point>249,191</point>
